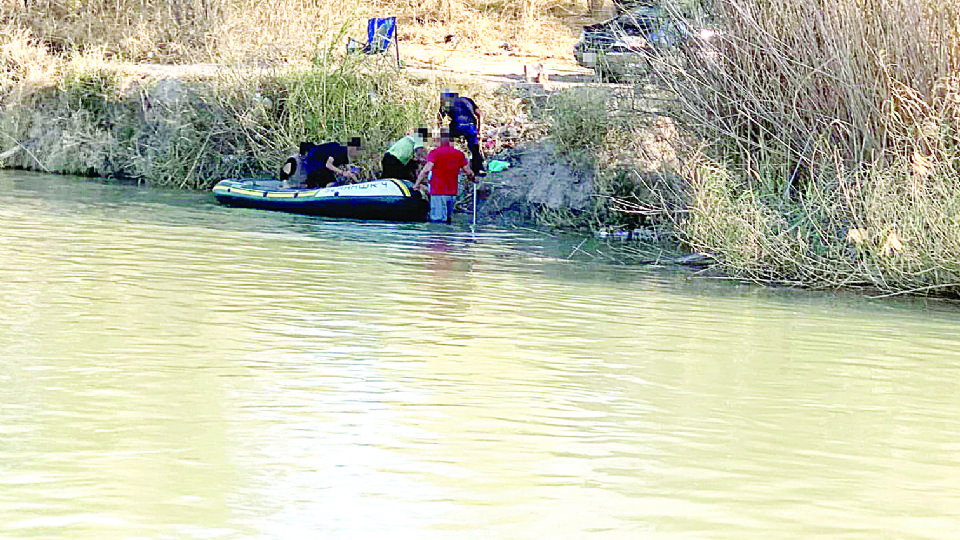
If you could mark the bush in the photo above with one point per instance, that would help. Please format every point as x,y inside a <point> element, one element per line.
<point>579,120</point>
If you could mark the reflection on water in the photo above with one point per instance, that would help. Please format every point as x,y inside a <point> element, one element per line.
<point>172,368</point>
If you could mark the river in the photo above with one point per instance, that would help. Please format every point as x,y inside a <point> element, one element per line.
<point>172,368</point>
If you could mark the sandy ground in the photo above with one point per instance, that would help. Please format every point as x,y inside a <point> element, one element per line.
<point>496,66</point>
<point>491,67</point>
<point>502,66</point>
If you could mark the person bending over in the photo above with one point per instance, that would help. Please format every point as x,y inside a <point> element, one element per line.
<point>404,156</point>
<point>320,165</point>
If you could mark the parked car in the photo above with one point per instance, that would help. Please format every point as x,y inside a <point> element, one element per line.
<point>624,47</point>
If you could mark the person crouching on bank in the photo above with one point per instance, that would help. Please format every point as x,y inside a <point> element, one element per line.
<point>443,167</point>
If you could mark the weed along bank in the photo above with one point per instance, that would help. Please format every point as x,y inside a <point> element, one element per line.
<point>191,132</point>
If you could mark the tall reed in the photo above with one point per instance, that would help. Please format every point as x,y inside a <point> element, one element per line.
<point>830,141</point>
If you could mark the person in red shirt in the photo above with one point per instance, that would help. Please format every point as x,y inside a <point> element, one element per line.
<point>443,166</point>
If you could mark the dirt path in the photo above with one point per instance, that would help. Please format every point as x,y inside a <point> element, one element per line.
<point>502,66</point>
<point>491,67</point>
<point>495,66</point>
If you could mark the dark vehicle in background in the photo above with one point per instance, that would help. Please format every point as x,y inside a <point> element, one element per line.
<point>622,6</point>
<point>627,46</point>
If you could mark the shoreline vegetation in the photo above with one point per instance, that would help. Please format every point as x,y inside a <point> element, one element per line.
<point>819,147</point>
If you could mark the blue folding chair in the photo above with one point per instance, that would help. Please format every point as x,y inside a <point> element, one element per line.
<point>381,33</point>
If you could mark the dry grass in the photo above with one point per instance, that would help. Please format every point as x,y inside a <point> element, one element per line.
<point>257,31</point>
<point>279,50</point>
<point>797,78</point>
<point>630,149</point>
<point>234,121</point>
<point>832,142</point>
<point>25,65</point>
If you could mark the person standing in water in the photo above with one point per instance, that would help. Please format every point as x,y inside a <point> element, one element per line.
<point>443,167</point>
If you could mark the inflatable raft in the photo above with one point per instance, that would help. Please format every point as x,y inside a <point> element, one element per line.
<point>388,199</point>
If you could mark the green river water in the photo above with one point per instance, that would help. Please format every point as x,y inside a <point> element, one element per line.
<point>170,368</point>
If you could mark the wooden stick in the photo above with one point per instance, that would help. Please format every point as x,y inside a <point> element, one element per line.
<point>396,41</point>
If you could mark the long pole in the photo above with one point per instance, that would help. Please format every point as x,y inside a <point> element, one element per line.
<point>396,42</point>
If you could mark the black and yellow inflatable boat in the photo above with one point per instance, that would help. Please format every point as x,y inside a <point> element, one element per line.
<point>387,200</point>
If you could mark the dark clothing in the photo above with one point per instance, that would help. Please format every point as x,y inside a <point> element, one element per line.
<point>316,156</point>
<point>465,125</point>
<point>394,168</point>
<point>462,110</point>
<point>468,132</point>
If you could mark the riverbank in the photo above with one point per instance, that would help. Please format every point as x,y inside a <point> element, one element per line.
<point>190,126</point>
<point>76,103</point>
<point>787,160</point>
<point>197,126</point>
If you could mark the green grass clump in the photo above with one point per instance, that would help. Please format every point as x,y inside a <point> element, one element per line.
<point>376,106</point>
<point>246,124</point>
<point>579,120</point>
<point>628,151</point>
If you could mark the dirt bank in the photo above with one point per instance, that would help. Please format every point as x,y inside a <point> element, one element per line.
<point>538,179</point>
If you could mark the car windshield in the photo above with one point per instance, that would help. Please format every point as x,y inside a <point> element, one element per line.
<point>652,22</point>
<point>644,19</point>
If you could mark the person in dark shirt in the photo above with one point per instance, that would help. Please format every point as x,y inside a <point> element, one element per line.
<point>321,164</point>
<point>464,123</point>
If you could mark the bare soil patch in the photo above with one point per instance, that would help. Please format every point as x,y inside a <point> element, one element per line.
<point>501,67</point>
